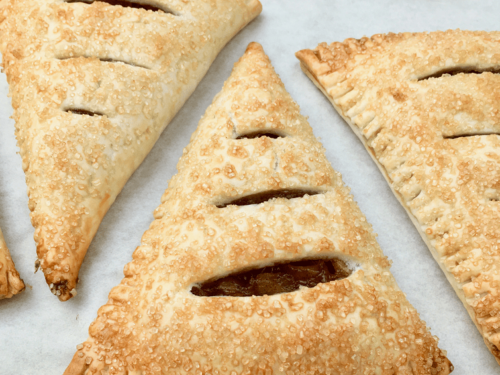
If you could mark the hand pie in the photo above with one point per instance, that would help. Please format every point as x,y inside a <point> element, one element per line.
<point>426,106</point>
<point>10,282</point>
<point>93,85</point>
<point>259,261</point>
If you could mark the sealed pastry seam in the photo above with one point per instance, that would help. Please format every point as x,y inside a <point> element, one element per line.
<point>240,320</point>
<point>92,87</point>
<point>425,105</point>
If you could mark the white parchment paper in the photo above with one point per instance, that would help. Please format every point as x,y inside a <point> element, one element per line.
<point>39,334</point>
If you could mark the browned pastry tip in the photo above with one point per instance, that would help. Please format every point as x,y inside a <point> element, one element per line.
<point>10,282</point>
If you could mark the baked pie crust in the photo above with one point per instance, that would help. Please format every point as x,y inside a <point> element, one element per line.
<point>10,282</point>
<point>155,321</point>
<point>93,86</point>
<point>427,108</point>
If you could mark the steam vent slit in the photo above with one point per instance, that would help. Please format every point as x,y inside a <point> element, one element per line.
<point>274,279</point>
<point>470,135</point>
<point>464,70</point>
<point>268,195</point>
<point>83,112</point>
<point>128,4</point>
<point>107,60</point>
<point>259,134</point>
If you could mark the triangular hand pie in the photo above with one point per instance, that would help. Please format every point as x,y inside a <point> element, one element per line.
<point>10,282</point>
<point>93,85</point>
<point>259,261</point>
<point>427,108</point>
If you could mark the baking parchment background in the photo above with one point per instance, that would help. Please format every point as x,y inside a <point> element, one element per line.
<point>39,334</point>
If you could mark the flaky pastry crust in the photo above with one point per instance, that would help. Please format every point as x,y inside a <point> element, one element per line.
<point>10,282</point>
<point>93,86</point>
<point>427,108</point>
<point>153,324</point>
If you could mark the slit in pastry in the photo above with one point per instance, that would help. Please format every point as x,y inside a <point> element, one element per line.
<point>258,134</point>
<point>109,60</point>
<point>452,71</point>
<point>475,134</point>
<point>82,112</point>
<point>265,196</point>
<point>128,4</point>
<point>275,279</point>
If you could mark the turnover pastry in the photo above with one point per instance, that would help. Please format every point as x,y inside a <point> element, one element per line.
<point>426,106</point>
<point>93,85</point>
<point>10,282</point>
<point>259,261</point>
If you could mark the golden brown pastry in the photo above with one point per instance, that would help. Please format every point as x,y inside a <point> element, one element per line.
<point>10,282</point>
<point>93,86</point>
<point>259,261</point>
<point>427,108</point>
